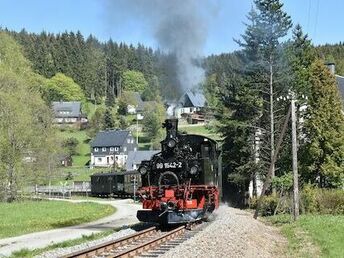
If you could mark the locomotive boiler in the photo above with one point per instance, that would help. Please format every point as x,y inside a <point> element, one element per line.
<point>180,183</point>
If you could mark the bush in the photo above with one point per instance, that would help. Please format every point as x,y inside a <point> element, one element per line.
<point>308,199</point>
<point>322,201</point>
<point>70,144</point>
<point>268,204</point>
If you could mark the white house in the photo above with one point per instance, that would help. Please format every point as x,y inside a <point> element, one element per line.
<point>111,148</point>
<point>189,103</point>
<point>69,114</point>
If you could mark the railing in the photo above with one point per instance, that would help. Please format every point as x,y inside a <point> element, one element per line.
<point>62,190</point>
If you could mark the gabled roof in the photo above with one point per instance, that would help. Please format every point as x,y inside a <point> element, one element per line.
<point>135,96</point>
<point>110,138</point>
<point>67,109</point>
<point>340,81</point>
<point>135,157</point>
<point>196,99</point>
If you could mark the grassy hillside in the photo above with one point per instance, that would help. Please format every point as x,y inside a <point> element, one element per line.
<point>199,129</point>
<point>82,149</point>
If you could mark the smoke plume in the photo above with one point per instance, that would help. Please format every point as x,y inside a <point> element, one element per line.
<point>178,26</point>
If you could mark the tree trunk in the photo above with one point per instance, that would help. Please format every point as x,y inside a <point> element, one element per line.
<point>254,184</point>
<point>12,189</point>
<point>272,121</point>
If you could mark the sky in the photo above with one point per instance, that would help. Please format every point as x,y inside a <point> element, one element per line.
<point>321,19</point>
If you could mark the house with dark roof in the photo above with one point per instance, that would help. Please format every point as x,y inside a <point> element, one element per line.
<point>136,157</point>
<point>111,148</point>
<point>190,102</point>
<point>69,114</point>
<point>191,107</point>
<point>135,102</point>
<point>136,105</point>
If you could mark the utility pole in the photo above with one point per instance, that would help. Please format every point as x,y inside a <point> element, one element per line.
<point>291,113</point>
<point>137,129</point>
<point>294,151</point>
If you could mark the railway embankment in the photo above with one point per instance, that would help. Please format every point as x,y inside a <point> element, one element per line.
<point>233,233</point>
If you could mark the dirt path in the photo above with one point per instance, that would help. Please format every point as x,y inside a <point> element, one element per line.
<point>234,233</point>
<point>125,215</point>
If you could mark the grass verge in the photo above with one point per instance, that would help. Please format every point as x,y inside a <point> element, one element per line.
<point>200,130</point>
<point>31,253</point>
<point>31,216</point>
<point>313,235</point>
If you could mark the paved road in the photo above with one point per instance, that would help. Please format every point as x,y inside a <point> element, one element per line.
<point>125,215</point>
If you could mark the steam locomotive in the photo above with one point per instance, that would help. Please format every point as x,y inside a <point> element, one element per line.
<point>180,184</point>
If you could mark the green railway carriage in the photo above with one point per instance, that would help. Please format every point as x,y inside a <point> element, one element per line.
<point>116,184</point>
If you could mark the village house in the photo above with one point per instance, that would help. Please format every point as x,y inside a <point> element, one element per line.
<point>191,107</point>
<point>191,102</point>
<point>136,157</point>
<point>111,148</point>
<point>65,160</point>
<point>69,114</point>
<point>136,104</point>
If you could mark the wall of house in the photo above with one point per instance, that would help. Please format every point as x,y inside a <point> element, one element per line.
<point>186,110</point>
<point>131,109</point>
<point>108,160</point>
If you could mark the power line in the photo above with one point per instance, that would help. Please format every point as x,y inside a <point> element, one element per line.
<point>316,20</point>
<point>309,13</point>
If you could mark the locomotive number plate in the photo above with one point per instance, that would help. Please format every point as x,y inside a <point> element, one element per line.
<point>165,165</point>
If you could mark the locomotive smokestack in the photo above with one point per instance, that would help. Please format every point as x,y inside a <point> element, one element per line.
<point>171,126</point>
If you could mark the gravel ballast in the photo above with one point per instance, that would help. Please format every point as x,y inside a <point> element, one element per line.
<point>233,233</point>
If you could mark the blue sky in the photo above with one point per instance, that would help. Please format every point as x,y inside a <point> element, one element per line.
<point>321,19</point>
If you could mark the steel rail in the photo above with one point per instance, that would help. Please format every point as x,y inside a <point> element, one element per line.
<point>110,245</point>
<point>151,244</point>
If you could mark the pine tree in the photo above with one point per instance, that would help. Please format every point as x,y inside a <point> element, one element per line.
<point>237,113</point>
<point>300,55</point>
<point>265,66</point>
<point>109,122</point>
<point>248,95</point>
<point>323,156</point>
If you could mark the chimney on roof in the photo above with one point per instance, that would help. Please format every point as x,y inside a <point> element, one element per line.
<point>332,67</point>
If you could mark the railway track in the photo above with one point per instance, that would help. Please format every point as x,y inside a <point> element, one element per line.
<point>150,242</point>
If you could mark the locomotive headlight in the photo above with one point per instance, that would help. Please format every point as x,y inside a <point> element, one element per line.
<point>193,170</point>
<point>171,143</point>
<point>143,170</point>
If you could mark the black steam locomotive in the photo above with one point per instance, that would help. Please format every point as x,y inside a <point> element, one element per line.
<point>180,184</point>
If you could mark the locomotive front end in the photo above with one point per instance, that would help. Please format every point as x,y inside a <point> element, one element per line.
<point>179,184</point>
